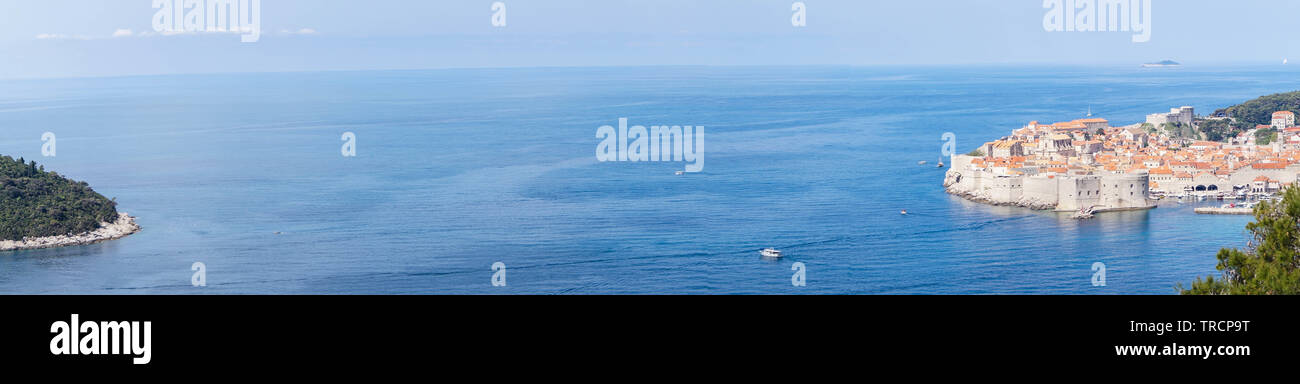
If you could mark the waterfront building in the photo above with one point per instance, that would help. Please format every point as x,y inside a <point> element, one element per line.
<point>1068,166</point>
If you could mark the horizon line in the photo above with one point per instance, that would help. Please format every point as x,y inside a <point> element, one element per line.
<point>1138,66</point>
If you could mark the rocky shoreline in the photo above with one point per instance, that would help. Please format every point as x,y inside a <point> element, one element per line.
<point>1034,205</point>
<point>123,227</point>
<point>1225,211</point>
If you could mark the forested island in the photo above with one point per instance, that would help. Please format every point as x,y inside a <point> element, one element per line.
<point>42,209</point>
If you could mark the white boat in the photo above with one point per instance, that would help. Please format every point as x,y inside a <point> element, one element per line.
<point>770,252</point>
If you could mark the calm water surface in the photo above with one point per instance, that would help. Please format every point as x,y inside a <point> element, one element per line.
<point>459,169</point>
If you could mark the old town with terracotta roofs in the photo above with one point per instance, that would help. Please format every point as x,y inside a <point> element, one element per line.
<point>1033,165</point>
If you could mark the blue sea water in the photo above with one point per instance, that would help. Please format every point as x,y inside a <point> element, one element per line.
<point>460,169</point>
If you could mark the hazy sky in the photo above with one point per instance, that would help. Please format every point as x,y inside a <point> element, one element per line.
<point>65,38</point>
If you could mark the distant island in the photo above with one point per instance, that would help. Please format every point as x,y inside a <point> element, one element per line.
<point>1161,64</point>
<point>41,209</point>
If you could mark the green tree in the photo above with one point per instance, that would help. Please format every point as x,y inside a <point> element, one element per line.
<point>1269,264</point>
<point>1218,129</point>
<point>36,203</point>
<point>1265,136</point>
<point>1180,131</point>
<point>1260,111</point>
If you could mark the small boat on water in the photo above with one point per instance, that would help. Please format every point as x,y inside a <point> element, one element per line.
<point>770,252</point>
<point>922,162</point>
<point>904,212</point>
<point>679,173</point>
<point>941,165</point>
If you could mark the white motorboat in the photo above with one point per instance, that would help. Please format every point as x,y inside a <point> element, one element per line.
<point>770,252</point>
